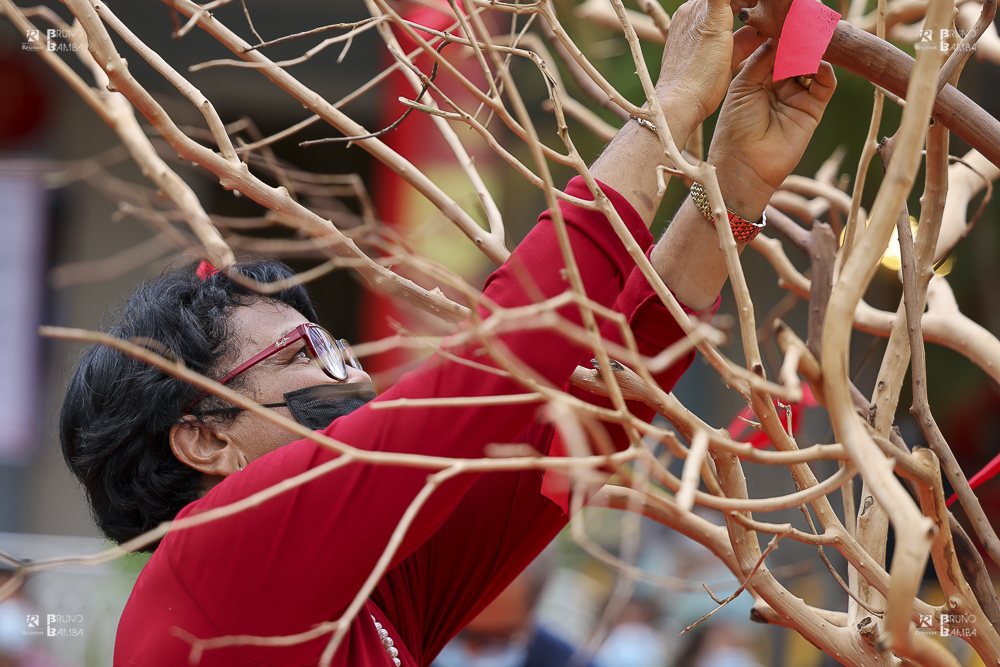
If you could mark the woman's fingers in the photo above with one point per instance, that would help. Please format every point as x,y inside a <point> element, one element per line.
<point>746,40</point>
<point>810,99</point>
<point>758,71</point>
<point>824,82</point>
<point>758,67</point>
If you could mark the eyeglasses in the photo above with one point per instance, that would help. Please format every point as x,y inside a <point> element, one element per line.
<point>332,355</point>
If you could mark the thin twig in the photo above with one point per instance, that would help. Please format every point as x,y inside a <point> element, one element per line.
<point>771,546</point>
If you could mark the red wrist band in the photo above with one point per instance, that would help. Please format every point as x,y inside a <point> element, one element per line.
<point>743,229</point>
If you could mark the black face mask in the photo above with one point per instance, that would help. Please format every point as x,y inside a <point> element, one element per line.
<point>316,407</point>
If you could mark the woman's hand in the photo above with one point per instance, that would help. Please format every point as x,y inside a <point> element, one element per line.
<point>700,54</point>
<point>764,129</point>
<point>694,75</point>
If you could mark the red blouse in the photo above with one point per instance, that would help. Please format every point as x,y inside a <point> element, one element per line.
<point>300,558</point>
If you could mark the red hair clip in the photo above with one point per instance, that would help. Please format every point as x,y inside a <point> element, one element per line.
<point>206,270</point>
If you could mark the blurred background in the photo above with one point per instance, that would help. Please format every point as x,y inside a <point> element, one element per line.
<point>71,252</point>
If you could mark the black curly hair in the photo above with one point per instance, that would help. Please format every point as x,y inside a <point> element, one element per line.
<point>116,418</point>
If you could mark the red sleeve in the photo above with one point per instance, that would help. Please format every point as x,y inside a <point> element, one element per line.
<point>654,329</point>
<point>315,546</point>
<point>505,521</point>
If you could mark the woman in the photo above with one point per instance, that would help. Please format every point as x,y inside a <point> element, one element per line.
<point>150,448</point>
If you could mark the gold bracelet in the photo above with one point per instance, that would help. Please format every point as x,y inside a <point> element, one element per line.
<point>743,229</point>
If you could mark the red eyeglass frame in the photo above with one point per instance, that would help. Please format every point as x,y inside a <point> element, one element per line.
<point>340,345</point>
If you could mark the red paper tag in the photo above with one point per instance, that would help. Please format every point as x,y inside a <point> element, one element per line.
<point>807,32</point>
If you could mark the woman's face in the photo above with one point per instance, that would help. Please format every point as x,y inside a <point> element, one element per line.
<point>255,327</point>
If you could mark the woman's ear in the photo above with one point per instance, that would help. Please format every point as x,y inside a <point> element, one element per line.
<point>207,451</point>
